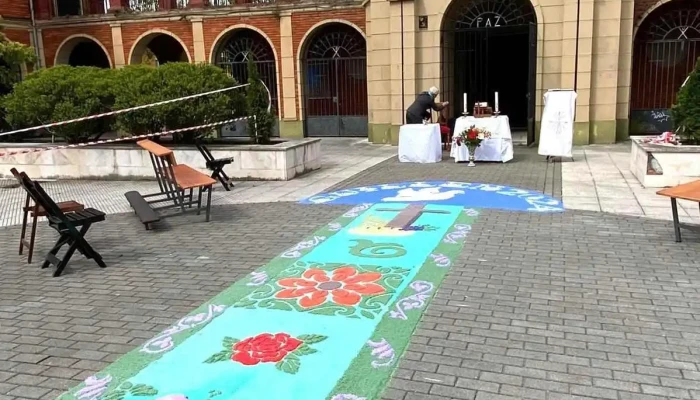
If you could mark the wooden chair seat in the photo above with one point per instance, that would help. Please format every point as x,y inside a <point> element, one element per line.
<point>65,206</point>
<point>78,218</point>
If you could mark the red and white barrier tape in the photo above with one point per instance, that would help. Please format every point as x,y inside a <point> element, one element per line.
<point>124,139</point>
<point>89,117</point>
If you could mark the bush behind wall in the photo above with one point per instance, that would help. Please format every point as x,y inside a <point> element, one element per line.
<point>62,93</point>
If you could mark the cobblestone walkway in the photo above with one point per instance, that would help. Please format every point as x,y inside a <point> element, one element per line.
<point>573,305</point>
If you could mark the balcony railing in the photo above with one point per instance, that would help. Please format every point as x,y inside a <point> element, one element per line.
<point>226,3</point>
<point>66,8</point>
<point>156,5</point>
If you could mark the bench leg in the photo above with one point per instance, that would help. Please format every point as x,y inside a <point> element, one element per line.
<point>24,227</point>
<point>676,223</point>
<point>181,199</point>
<point>32,236</point>
<point>199,201</point>
<point>209,190</point>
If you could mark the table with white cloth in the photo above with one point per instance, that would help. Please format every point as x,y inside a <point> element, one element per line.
<point>497,148</point>
<point>419,143</point>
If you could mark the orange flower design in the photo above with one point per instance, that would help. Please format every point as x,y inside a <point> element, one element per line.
<point>345,286</point>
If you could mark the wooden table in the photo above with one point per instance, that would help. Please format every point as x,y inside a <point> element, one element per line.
<point>687,191</point>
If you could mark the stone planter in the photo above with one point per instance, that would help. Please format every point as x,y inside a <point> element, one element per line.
<point>282,161</point>
<point>658,166</point>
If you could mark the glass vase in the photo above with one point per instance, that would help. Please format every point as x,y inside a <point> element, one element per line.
<point>472,150</point>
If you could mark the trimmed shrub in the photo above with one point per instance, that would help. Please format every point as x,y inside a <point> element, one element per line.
<point>137,85</point>
<point>144,85</point>
<point>686,111</point>
<point>257,98</point>
<point>63,93</point>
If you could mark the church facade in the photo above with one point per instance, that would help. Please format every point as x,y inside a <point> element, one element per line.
<point>352,67</point>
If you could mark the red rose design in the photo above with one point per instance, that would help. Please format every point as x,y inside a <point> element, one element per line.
<point>265,347</point>
<point>472,135</point>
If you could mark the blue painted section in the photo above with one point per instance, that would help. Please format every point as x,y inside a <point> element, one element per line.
<point>336,248</point>
<point>464,194</point>
<point>183,371</point>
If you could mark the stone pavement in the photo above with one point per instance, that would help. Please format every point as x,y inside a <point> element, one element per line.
<point>599,179</point>
<point>573,305</point>
<point>341,159</point>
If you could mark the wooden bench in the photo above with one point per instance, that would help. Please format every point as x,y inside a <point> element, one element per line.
<point>687,191</point>
<point>175,181</point>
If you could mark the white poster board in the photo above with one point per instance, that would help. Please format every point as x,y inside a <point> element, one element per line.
<point>557,130</point>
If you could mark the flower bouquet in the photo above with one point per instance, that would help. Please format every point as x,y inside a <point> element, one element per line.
<point>472,138</point>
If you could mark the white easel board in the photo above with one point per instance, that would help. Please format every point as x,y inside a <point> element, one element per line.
<point>557,129</point>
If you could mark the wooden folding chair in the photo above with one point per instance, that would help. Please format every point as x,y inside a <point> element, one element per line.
<point>35,211</point>
<point>216,165</point>
<point>66,224</point>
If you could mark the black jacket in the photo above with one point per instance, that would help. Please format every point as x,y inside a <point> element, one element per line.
<point>420,107</point>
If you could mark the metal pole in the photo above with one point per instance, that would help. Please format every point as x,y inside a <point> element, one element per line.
<point>578,25</point>
<point>403,84</point>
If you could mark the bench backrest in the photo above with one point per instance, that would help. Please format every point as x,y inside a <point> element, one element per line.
<point>163,160</point>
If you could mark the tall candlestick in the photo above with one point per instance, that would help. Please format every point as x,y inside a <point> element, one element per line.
<point>465,103</point>
<point>496,102</point>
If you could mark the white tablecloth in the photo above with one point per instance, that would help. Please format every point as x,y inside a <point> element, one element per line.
<point>498,148</point>
<point>420,143</point>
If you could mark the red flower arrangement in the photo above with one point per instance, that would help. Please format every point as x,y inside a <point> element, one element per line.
<point>472,136</point>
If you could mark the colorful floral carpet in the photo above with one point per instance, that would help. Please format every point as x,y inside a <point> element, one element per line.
<point>327,319</point>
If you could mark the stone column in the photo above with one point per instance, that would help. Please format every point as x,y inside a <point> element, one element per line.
<point>624,74</point>
<point>290,125</point>
<point>582,126</point>
<point>118,46</point>
<point>379,66</point>
<point>604,70</point>
<point>403,62</point>
<point>198,40</point>
<point>40,44</point>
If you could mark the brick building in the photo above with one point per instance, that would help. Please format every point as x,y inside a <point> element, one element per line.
<point>351,67</point>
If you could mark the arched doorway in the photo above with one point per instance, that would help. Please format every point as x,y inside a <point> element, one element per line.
<point>233,53</point>
<point>666,47</point>
<point>157,48</point>
<point>334,76</point>
<point>82,51</point>
<point>490,46</point>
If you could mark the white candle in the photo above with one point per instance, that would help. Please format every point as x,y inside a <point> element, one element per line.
<point>465,103</point>
<point>496,101</point>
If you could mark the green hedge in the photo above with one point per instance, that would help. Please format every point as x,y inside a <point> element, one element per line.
<point>686,111</point>
<point>62,93</point>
